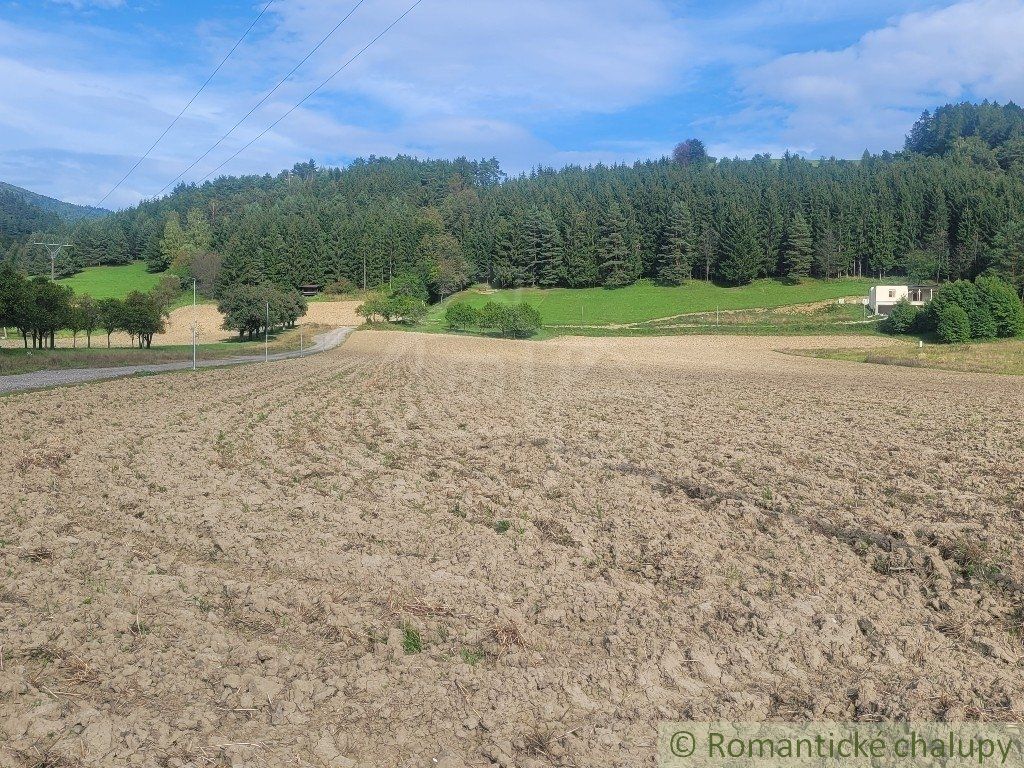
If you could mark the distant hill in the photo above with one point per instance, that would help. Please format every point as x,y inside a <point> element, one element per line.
<point>66,211</point>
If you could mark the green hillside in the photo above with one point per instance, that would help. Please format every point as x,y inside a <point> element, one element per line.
<point>112,282</point>
<point>643,302</point>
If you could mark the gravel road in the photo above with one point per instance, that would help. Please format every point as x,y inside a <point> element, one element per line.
<point>46,379</point>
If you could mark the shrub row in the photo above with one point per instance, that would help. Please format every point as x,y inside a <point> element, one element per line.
<point>511,320</point>
<point>985,309</point>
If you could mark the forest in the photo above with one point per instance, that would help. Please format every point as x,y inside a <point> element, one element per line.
<point>949,206</point>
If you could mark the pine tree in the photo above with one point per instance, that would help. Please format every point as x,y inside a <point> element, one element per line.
<point>679,251</point>
<point>797,250</point>
<point>739,250</point>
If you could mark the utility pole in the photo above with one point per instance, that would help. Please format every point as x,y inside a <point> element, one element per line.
<point>54,250</point>
<point>266,337</point>
<point>195,325</point>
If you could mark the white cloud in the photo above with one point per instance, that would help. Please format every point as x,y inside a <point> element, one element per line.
<point>868,95</point>
<point>526,56</point>
<point>450,79</point>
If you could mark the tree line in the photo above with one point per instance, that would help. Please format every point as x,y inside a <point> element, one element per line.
<point>948,207</point>
<point>39,308</point>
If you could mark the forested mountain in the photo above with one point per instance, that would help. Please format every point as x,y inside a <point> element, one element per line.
<point>950,206</point>
<point>66,211</point>
<point>23,212</point>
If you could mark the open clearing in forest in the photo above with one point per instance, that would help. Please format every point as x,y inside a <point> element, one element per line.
<point>644,302</point>
<point>113,282</point>
<point>421,547</point>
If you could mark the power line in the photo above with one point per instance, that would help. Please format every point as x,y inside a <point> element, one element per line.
<point>310,95</point>
<point>263,101</point>
<point>186,107</point>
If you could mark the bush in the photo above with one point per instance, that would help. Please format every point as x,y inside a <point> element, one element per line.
<point>459,316</point>
<point>375,306</point>
<point>518,321</point>
<point>493,316</point>
<point>340,287</point>
<point>903,318</point>
<point>953,325</point>
<point>967,296</point>
<point>983,326</point>
<point>407,309</point>
<point>1004,305</point>
<point>525,321</point>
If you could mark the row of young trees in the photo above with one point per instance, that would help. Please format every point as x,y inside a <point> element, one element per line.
<point>950,207</point>
<point>39,308</point>
<point>518,321</point>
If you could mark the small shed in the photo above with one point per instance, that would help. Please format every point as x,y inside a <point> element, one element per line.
<point>311,289</point>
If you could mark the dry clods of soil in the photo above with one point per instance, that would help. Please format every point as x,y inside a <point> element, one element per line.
<point>420,550</point>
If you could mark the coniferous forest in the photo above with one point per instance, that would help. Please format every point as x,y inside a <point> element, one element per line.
<point>949,206</point>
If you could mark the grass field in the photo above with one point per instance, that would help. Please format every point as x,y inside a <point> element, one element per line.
<point>645,302</point>
<point>112,282</point>
<point>1003,357</point>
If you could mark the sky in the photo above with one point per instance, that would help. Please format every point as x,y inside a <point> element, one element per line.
<point>88,85</point>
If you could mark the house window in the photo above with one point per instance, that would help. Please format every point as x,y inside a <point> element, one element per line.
<point>892,294</point>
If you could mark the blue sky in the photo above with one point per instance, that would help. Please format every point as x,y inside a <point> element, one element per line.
<point>89,84</point>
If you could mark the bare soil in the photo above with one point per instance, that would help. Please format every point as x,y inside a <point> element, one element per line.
<point>425,550</point>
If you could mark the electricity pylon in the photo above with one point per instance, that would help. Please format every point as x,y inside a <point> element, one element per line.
<point>54,249</point>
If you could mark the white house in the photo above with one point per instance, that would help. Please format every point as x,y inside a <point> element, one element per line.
<point>882,298</point>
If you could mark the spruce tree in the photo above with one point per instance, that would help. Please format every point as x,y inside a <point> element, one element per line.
<point>739,250</point>
<point>580,265</point>
<point>797,251</point>
<point>1007,257</point>
<point>620,265</point>
<point>679,251</point>
<point>507,268</point>
<point>548,242</point>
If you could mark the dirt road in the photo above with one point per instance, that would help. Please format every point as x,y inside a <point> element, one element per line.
<point>421,550</point>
